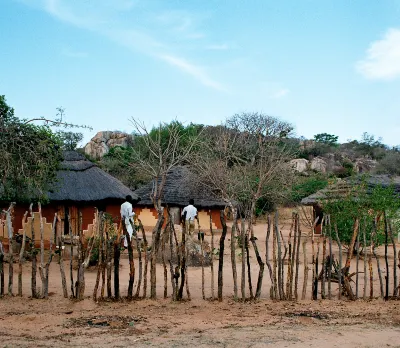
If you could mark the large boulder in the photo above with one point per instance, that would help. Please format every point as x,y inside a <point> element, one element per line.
<point>102,142</point>
<point>318,164</point>
<point>364,165</point>
<point>300,165</point>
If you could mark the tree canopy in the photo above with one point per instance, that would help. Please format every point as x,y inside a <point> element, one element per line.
<point>29,157</point>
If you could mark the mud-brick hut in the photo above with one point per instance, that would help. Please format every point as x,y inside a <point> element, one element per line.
<point>344,187</point>
<point>81,187</point>
<point>181,185</point>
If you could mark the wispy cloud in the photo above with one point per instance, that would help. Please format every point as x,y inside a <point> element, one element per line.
<point>135,39</point>
<point>382,61</point>
<point>193,70</point>
<point>280,94</point>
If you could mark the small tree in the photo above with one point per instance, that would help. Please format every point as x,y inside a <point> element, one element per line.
<point>69,140</point>
<point>327,139</point>
<point>155,153</point>
<point>245,160</point>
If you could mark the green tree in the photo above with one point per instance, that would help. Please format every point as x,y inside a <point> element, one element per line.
<point>29,157</point>
<point>365,204</point>
<point>70,140</point>
<point>327,139</point>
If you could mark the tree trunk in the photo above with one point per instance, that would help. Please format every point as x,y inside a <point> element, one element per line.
<point>171,256</point>
<point>21,255</point>
<point>268,262</point>
<point>221,256</point>
<point>323,267</point>
<point>109,244</point>
<point>371,271</point>
<point>100,228</point>
<point>80,281</point>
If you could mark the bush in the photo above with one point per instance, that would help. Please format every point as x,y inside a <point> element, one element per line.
<point>307,187</point>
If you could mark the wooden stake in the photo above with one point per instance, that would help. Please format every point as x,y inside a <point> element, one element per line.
<point>212,258</point>
<point>146,258</point>
<point>21,259</point>
<point>268,262</point>
<point>221,256</point>
<point>289,277</point>
<point>278,242</point>
<point>61,259</point>
<point>10,249</point>
<point>233,253</point>
<point>297,246</point>
<point>365,259</point>
<point>33,255</point>
<point>395,286</point>
<point>139,250</point>
<point>387,276</point>
<point>243,273</point>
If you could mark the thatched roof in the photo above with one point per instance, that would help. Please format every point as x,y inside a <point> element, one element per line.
<point>80,180</point>
<point>342,187</point>
<point>182,185</point>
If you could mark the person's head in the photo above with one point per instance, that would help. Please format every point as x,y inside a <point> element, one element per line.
<point>129,198</point>
<point>191,201</point>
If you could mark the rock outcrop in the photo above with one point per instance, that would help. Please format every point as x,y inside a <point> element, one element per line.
<point>101,143</point>
<point>318,164</point>
<point>300,165</point>
<point>364,165</point>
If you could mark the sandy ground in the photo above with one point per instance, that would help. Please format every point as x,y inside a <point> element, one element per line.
<point>26,322</point>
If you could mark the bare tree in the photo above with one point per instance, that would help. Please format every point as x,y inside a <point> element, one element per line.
<point>245,160</point>
<point>155,153</point>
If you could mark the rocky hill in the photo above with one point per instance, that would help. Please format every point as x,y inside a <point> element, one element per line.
<point>103,141</point>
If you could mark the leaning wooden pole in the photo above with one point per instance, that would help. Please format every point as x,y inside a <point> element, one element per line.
<point>387,276</point>
<point>267,261</point>
<point>233,253</point>
<point>212,259</point>
<point>33,255</point>
<point>221,256</point>
<point>395,286</point>
<point>60,239</point>
<point>289,277</point>
<point>21,258</point>
<point>279,249</point>
<point>146,258</point>
<point>10,249</point>
<point>243,270</point>
<point>296,277</point>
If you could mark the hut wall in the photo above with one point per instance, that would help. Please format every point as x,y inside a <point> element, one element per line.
<point>148,216</point>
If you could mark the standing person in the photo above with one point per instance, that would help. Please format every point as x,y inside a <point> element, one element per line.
<point>189,213</point>
<point>127,216</point>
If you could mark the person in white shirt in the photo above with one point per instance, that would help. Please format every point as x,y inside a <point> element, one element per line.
<point>127,216</point>
<point>189,213</point>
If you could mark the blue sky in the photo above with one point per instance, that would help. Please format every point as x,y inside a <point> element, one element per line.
<point>324,65</point>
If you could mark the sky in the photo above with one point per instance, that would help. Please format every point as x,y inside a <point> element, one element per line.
<point>323,65</point>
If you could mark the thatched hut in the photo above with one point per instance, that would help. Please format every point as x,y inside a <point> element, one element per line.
<point>81,186</point>
<point>181,185</point>
<point>345,187</point>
